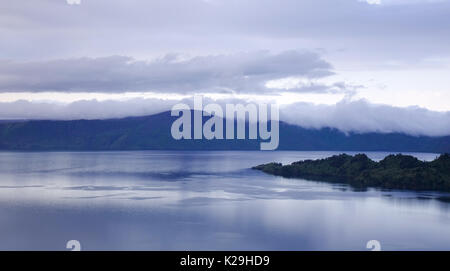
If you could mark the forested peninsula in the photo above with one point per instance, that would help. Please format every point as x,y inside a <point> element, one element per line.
<point>393,172</point>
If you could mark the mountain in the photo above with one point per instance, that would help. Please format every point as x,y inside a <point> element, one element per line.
<point>153,133</point>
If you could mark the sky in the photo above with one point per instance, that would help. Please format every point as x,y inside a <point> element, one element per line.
<point>355,65</point>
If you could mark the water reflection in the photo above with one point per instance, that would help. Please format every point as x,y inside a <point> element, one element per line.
<point>201,201</point>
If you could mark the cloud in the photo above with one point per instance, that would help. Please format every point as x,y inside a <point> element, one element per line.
<point>401,29</point>
<point>371,2</point>
<point>45,46</point>
<point>84,109</point>
<point>241,73</point>
<point>400,2</point>
<point>361,116</point>
<point>73,2</point>
<point>347,116</point>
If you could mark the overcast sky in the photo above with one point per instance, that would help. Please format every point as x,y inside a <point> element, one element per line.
<point>388,58</point>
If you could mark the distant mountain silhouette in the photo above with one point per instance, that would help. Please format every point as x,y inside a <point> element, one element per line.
<point>153,133</point>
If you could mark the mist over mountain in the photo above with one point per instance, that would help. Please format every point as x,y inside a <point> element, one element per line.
<point>153,133</point>
<point>359,116</point>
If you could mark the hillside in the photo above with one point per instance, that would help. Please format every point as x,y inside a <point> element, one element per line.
<point>393,172</point>
<point>153,133</point>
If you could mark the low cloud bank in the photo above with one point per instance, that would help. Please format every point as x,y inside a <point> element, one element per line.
<point>347,116</point>
<point>362,116</point>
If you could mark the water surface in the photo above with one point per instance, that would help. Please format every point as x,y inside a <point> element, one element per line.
<point>161,200</point>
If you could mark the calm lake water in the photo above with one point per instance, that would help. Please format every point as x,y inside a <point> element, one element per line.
<point>160,200</point>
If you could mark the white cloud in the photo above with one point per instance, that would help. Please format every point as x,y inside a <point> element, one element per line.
<point>347,116</point>
<point>73,2</point>
<point>84,109</point>
<point>371,2</point>
<point>362,116</point>
<point>400,2</point>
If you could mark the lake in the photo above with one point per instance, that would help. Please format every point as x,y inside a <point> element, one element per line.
<point>167,200</point>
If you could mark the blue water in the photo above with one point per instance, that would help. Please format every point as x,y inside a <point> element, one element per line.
<point>160,200</point>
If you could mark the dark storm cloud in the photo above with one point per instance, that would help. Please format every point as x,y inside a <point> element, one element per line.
<point>242,72</point>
